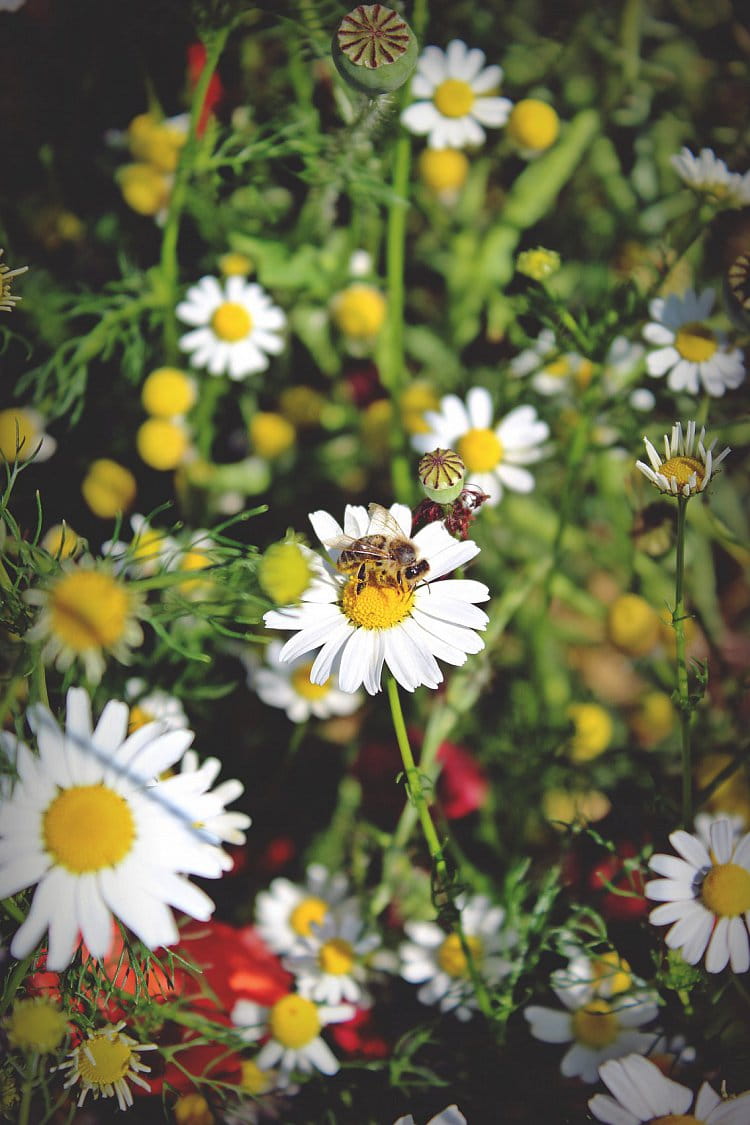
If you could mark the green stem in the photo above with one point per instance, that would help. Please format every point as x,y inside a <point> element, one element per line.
<point>28,1086</point>
<point>577,450</point>
<point>683,688</point>
<point>169,267</point>
<point>630,38</point>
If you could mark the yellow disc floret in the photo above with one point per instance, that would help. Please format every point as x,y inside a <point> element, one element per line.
<point>360,311</point>
<point>593,731</point>
<point>682,469</point>
<point>89,609</point>
<point>310,911</point>
<point>416,400</point>
<point>193,1109</point>
<point>480,450</point>
<point>375,606</point>
<point>88,827</point>
<point>167,392</point>
<point>300,679</point>
<point>234,264</point>
<point>271,434</point>
<point>294,1021</point>
<point>161,443</point>
<point>144,188</point>
<point>253,1080</point>
<point>19,435</point>
<point>726,890</point>
<point>533,124</point>
<point>695,342</point>
<point>633,625</point>
<point>443,169</point>
<point>451,957</point>
<point>284,572</point>
<point>595,1025</point>
<point>61,541</point>
<point>232,322</point>
<point>104,1060</point>
<point>336,957</point>
<point>453,98</point>
<point>36,1024</point>
<point>108,488</point>
<point>612,974</point>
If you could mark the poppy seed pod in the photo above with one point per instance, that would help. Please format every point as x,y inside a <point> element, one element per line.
<point>374,49</point>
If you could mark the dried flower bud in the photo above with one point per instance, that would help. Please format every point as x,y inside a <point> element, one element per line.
<point>374,49</point>
<point>442,474</point>
<point>538,264</point>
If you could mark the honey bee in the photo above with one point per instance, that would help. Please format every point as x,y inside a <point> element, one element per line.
<point>383,557</point>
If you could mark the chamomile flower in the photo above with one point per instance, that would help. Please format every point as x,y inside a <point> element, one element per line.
<point>360,627</point>
<point>451,1115</point>
<point>688,465</point>
<point>494,454</point>
<point>153,706</point>
<point>705,896</point>
<point>293,1025</point>
<point>149,551</point>
<point>87,824</point>
<point>105,1063</point>
<point>707,175</point>
<point>704,821</point>
<point>8,299</point>
<point>288,685</point>
<point>551,370</point>
<point>437,961</point>
<point>191,789</point>
<point>601,1019</point>
<point>643,1095</point>
<point>688,349</point>
<point>86,613</point>
<point>23,436</point>
<point>235,328</point>
<point>35,1024</point>
<point>455,99</point>
<point>286,912</point>
<point>330,964</point>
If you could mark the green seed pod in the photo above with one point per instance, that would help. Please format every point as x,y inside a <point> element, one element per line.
<point>374,49</point>
<point>441,474</point>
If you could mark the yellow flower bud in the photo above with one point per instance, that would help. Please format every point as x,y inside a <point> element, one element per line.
<point>161,443</point>
<point>144,189</point>
<point>108,488</point>
<point>167,392</point>
<point>271,434</point>
<point>359,311</point>
<point>533,125</point>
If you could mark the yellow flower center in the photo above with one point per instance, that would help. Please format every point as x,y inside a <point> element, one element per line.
<point>87,828</point>
<point>726,890</point>
<point>161,444</point>
<point>300,679</point>
<point>443,169</point>
<point>294,1021</point>
<point>61,541</point>
<point>533,124</point>
<point>284,572</point>
<point>375,606</point>
<point>593,731</point>
<point>194,559</point>
<point>18,435</point>
<point>147,545</point>
<point>451,957</point>
<point>682,468</point>
<point>336,957</point>
<point>102,1061</point>
<point>480,450</point>
<point>234,264</point>
<point>612,972</point>
<point>108,488</point>
<point>36,1025</point>
<point>138,718</point>
<point>145,189</point>
<point>595,1025</point>
<point>168,391</point>
<point>677,1119</point>
<point>632,624</point>
<point>453,98</point>
<point>253,1079</point>
<point>360,311</point>
<point>271,434</point>
<point>695,342</point>
<point>193,1109</point>
<point>232,322</point>
<point>311,911</point>
<point>89,610</point>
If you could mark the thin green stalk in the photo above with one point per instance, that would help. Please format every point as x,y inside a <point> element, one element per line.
<point>683,687</point>
<point>168,265</point>
<point>28,1086</point>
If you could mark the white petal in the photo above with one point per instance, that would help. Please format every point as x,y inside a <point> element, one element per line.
<point>609,1111</point>
<point>492,112</point>
<point>717,954</point>
<point>690,848</point>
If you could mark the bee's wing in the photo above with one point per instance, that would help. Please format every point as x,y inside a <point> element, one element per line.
<point>356,547</point>
<point>382,522</point>
<point>339,542</point>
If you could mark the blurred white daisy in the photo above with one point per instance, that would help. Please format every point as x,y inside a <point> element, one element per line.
<point>586,976</point>
<point>599,1022</point>
<point>23,436</point>
<point>642,1095</point>
<point>293,1026</point>
<point>105,1062</point>
<point>551,370</point>
<point>705,896</point>
<point>287,684</point>
<point>455,97</point>
<point>437,960</point>
<point>708,175</point>
<point>688,465</point>
<point>235,328</point>
<point>494,454</point>
<point>330,964</point>
<point>153,706</point>
<point>286,912</point>
<point>88,824</point>
<point>359,627</point>
<point>149,551</point>
<point>451,1115</point>
<point>687,347</point>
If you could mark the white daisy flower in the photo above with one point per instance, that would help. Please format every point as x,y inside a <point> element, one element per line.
<point>154,706</point>
<point>642,1095</point>
<point>293,1025</point>
<point>708,175</point>
<point>687,467</point>
<point>286,912</point>
<point>706,897</point>
<point>437,961</point>
<point>287,684</point>
<point>207,807</point>
<point>551,370</point>
<point>451,1115</point>
<point>455,99</point>
<point>361,626</point>
<point>105,1062</point>
<point>149,551</point>
<point>494,455</point>
<point>88,825</point>
<point>605,975</point>
<point>235,329</point>
<point>23,436</point>
<point>330,964</point>
<point>688,348</point>
<point>601,1021</point>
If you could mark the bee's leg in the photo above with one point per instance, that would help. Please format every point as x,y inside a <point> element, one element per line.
<point>361,578</point>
